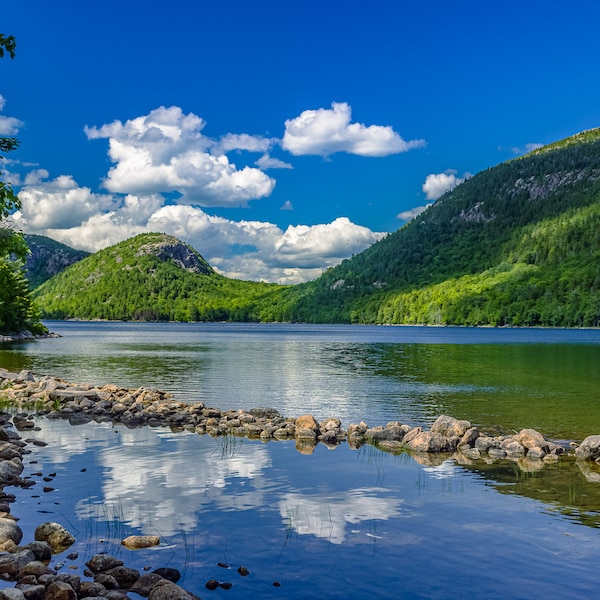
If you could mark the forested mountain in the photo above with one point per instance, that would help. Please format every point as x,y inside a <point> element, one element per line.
<point>150,277</point>
<point>47,258</point>
<point>517,244</point>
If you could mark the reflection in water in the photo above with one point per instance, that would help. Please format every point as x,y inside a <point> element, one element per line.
<point>326,516</point>
<point>300,519</point>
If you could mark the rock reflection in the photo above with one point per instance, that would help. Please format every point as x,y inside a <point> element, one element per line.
<point>328,516</point>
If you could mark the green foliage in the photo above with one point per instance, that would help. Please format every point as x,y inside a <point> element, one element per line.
<point>144,279</point>
<point>514,245</point>
<point>16,310</point>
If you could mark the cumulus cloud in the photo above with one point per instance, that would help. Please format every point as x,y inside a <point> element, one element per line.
<point>409,215</point>
<point>326,131</point>
<point>287,205</point>
<point>9,126</point>
<point>243,141</point>
<point>438,184</point>
<point>255,250</point>
<point>268,162</point>
<point>165,151</point>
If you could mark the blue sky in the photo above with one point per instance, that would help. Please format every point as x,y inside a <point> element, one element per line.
<point>278,137</point>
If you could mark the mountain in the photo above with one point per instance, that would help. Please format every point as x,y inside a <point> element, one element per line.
<point>47,258</point>
<point>150,277</point>
<point>517,244</point>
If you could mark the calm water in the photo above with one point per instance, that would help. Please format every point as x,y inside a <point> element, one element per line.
<point>335,523</point>
<point>501,379</point>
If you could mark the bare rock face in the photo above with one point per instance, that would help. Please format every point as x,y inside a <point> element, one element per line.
<point>56,535</point>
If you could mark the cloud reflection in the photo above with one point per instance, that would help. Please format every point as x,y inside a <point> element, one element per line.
<point>327,516</point>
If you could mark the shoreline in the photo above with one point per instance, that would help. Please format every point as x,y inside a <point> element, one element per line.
<point>80,403</point>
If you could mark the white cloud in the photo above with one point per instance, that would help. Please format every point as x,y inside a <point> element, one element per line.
<point>9,126</point>
<point>287,205</point>
<point>165,151</point>
<point>253,250</point>
<point>243,141</point>
<point>59,203</point>
<point>326,131</point>
<point>268,162</point>
<point>409,215</point>
<point>438,184</point>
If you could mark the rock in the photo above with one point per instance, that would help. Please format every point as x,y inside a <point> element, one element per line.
<point>59,590</point>
<point>449,426</point>
<point>141,541</point>
<point>589,449</point>
<point>56,535</point>
<point>41,550</point>
<point>530,438</point>
<point>11,564</point>
<point>10,531</point>
<point>167,590</point>
<point>37,568</point>
<point>12,594</point>
<point>10,470</point>
<point>426,441</point>
<point>144,585</point>
<point>469,437</point>
<point>102,562</point>
<point>306,422</point>
<point>125,577</point>
<point>31,591</point>
<point>514,449</point>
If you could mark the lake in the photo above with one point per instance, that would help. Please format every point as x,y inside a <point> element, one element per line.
<point>338,522</point>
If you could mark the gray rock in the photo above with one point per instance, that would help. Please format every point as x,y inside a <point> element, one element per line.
<point>144,585</point>
<point>125,576</point>
<point>589,449</point>
<point>56,535</point>
<point>449,426</point>
<point>167,590</point>
<point>12,594</point>
<point>11,564</point>
<point>102,562</point>
<point>10,531</point>
<point>59,590</point>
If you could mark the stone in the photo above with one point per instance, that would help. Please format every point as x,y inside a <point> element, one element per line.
<point>12,594</point>
<point>102,562</point>
<point>449,426</point>
<point>589,449</point>
<point>125,576</point>
<point>514,449</point>
<point>306,422</point>
<point>37,568</point>
<point>141,541</point>
<point>469,437</point>
<point>59,590</point>
<point>10,531</point>
<point>426,441</point>
<point>167,590</point>
<point>12,563</point>
<point>530,438</point>
<point>144,585</point>
<point>56,535</point>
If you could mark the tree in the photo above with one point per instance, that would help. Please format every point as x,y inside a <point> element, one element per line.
<point>16,309</point>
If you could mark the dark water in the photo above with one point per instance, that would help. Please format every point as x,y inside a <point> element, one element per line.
<point>338,523</point>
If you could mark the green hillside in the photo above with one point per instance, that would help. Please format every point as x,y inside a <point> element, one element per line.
<point>150,277</point>
<point>517,244</point>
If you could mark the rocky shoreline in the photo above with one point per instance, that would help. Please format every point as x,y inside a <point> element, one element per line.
<point>33,395</point>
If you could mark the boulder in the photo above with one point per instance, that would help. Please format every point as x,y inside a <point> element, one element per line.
<point>449,426</point>
<point>589,449</point>
<point>306,422</point>
<point>56,535</point>
<point>426,441</point>
<point>59,590</point>
<point>12,594</point>
<point>102,562</point>
<point>530,438</point>
<point>167,590</point>
<point>10,531</point>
